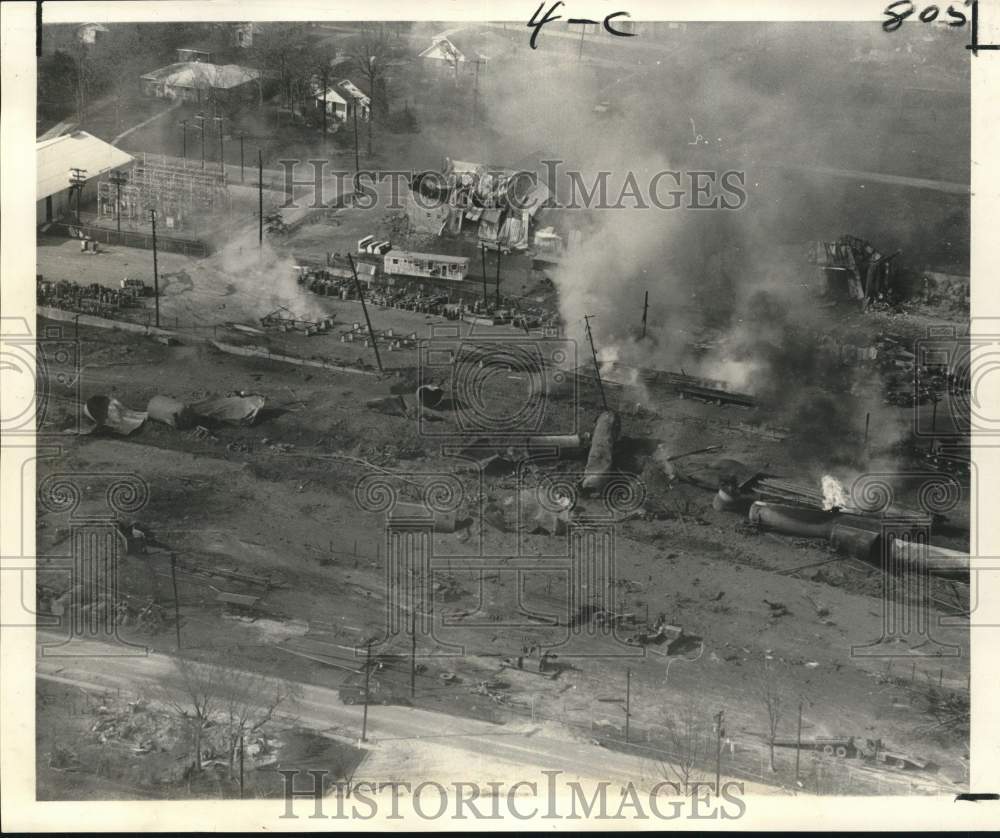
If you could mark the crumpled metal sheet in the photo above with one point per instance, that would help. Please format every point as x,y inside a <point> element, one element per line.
<point>238,410</point>
<point>108,412</point>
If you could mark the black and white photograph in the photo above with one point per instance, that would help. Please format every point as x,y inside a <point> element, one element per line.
<point>571,416</point>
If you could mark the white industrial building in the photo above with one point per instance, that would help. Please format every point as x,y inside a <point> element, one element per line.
<point>55,160</point>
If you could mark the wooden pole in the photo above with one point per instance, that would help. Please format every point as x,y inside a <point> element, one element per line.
<point>628,702</point>
<point>645,309</point>
<point>364,308</point>
<point>597,367</point>
<point>482,251</point>
<point>498,277</point>
<point>156,271</point>
<point>177,604</point>
<point>368,676</point>
<point>413,654</point>
<point>260,198</point>
<point>718,750</point>
<point>241,765</point>
<point>798,744</point>
<point>242,177</point>
<point>357,160</point>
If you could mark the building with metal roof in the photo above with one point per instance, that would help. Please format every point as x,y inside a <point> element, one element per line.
<point>56,159</point>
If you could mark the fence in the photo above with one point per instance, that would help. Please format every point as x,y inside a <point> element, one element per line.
<point>128,238</point>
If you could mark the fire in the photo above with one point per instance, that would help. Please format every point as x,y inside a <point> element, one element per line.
<point>834,494</point>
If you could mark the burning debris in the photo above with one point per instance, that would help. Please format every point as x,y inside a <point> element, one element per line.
<point>851,267</point>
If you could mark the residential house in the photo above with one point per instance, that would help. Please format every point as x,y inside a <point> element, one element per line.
<point>202,82</point>
<point>197,53</point>
<point>355,99</point>
<point>336,105</point>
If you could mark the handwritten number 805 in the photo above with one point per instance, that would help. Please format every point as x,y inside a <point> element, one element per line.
<point>902,9</point>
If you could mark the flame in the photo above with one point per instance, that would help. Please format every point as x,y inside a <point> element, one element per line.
<point>834,494</point>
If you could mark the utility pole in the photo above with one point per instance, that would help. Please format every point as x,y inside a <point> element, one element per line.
<point>201,125</point>
<point>118,178</point>
<point>413,654</point>
<point>156,273</point>
<point>241,158</point>
<point>177,605</point>
<point>482,251</point>
<point>371,108</point>
<point>357,163</point>
<point>260,198</point>
<point>222,156</point>
<point>798,744</point>
<point>325,71</point>
<point>583,31</point>
<point>364,308</point>
<point>720,733</point>
<point>241,765</point>
<point>628,701</point>
<point>184,138</point>
<point>597,367</point>
<point>498,276</point>
<point>645,309</point>
<point>77,178</point>
<point>368,678</point>
<point>475,94</point>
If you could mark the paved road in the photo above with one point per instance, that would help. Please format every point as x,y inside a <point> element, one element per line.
<point>320,708</point>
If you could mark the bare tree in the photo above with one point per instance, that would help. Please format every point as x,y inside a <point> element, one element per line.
<point>199,698</point>
<point>249,703</point>
<point>691,744</point>
<point>370,55</point>
<point>239,703</point>
<point>768,692</point>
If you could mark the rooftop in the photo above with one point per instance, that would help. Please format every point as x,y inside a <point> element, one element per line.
<point>78,150</point>
<point>200,74</point>
<point>437,257</point>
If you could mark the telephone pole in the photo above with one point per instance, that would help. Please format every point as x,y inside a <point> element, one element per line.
<point>413,654</point>
<point>645,309</point>
<point>77,178</point>
<point>368,677</point>
<point>798,744</point>
<point>156,272</point>
<point>184,138</point>
<point>628,701</point>
<point>720,733</point>
<point>222,156</point>
<point>498,276</point>
<point>482,251</point>
<point>597,367</point>
<point>364,308</point>
<point>201,125</point>
<point>118,179</point>
<point>357,161</point>
<point>325,71</point>
<point>260,198</point>
<point>241,765</point>
<point>242,179</point>
<point>475,94</point>
<point>177,605</point>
